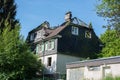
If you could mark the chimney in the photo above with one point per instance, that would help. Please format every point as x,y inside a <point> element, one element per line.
<point>68,16</point>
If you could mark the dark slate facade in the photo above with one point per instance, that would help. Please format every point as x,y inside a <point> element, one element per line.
<point>73,37</point>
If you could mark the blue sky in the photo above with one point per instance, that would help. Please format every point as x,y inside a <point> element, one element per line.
<point>31,13</point>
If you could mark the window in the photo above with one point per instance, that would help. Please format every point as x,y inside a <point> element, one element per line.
<point>32,36</point>
<point>74,30</point>
<point>50,45</point>
<point>87,34</point>
<point>39,34</point>
<point>46,45</point>
<point>49,61</point>
<point>94,68</point>
<point>107,71</point>
<point>39,48</point>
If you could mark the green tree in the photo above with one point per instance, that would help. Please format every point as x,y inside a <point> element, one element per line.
<point>110,10</point>
<point>8,12</point>
<point>16,60</point>
<point>111,44</point>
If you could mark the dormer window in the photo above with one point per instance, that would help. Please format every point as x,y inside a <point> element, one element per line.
<point>32,37</point>
<point>88,34</point>
<point>74,30</point>
<point>39,34</point>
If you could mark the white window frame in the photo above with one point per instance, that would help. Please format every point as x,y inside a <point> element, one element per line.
<point>37,48</point>
<point>39,34</point>
<point>46,45</point>
<point>88,34</point>
<point>75,30</point>
<point>40,48</point>
<point>50,45</point>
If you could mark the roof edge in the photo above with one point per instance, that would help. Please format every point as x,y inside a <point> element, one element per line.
<point>108,60</point>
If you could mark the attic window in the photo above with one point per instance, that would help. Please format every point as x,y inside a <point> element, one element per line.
<point>87,34</point>
<point>32,37</point>
<point>39,34</point>
<point>74,30</point>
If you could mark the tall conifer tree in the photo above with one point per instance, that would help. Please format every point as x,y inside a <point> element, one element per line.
<point>16,60</point>
<point>8,12</point>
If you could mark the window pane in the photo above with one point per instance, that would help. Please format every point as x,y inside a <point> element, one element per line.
<point>94,68</point>
<point>49,61</point>
<point>74,30</point>
<point>43,47</point>
<point>87,34</point>
<point>50,45</point>
<point>40,47</point>
<point>37,48</point>
<point>53,45</point>
<point>46,46</point>
<point>38,34</point>
<point>32,36</point>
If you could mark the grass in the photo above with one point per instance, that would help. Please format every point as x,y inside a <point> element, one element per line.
<point>112,78</point>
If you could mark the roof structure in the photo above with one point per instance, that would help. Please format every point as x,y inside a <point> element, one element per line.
<point>57,30</point>
<point>94,62</point>
<point>49,32</point>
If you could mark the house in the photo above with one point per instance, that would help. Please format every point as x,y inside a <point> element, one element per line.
<point>68,42</point>
<point>95,69</point>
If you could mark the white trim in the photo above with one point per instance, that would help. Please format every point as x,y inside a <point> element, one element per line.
<point>75,30</point>
<point>88,34</point>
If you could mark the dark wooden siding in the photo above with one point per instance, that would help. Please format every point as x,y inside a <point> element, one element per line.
<point>78,45</point>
